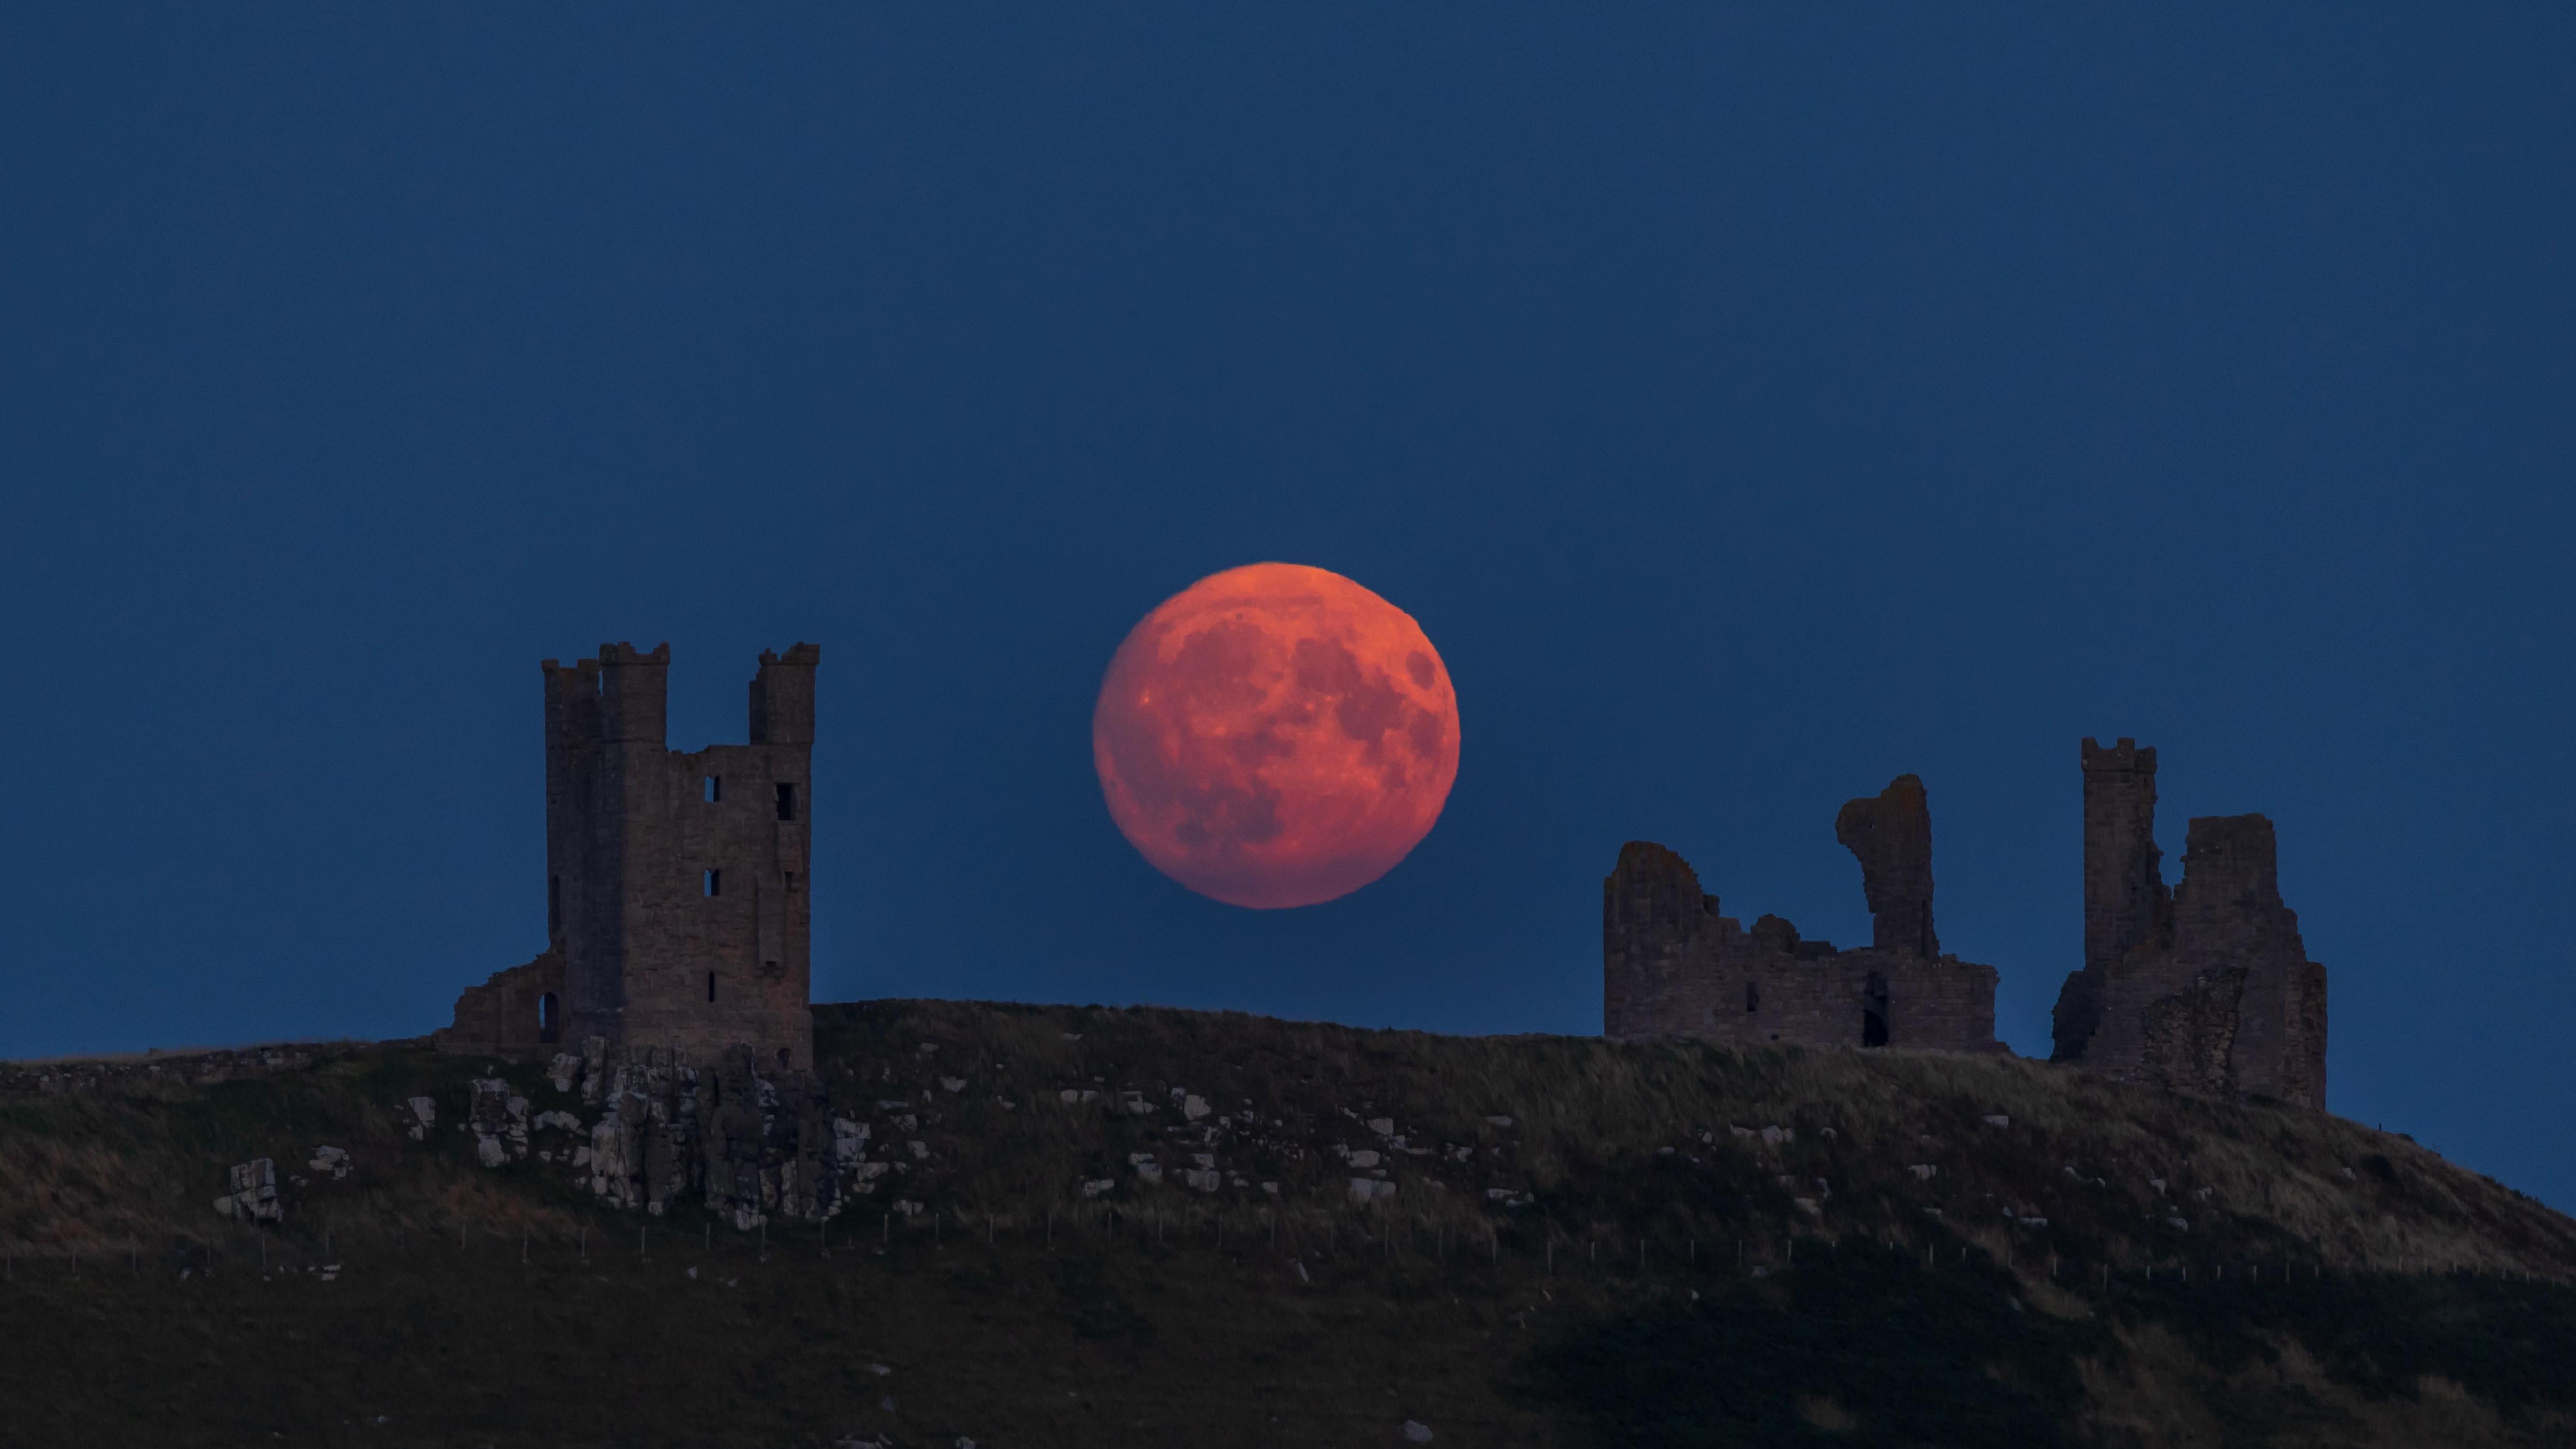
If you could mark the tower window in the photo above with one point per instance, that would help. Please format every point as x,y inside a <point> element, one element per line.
<point>711,986</point>
<point>714,788</point>
<point>549,1020</point>
<point>1752,996</point>
<point>715,882</point>
<point>791,881</point>
<point>786,800</point>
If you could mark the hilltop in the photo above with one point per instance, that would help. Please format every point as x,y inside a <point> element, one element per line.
<point>1110,1226</point>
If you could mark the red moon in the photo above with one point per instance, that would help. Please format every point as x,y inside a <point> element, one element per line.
<point>1276,735</point>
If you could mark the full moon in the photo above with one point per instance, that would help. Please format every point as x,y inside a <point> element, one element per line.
<point>1275,735</point>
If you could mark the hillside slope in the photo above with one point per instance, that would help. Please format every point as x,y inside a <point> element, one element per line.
<point>1109,1226</point>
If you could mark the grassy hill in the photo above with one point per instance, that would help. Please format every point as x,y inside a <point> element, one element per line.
<point>1584,1242</point>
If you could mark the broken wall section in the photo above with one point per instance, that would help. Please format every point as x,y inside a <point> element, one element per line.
<point>1673,966</point>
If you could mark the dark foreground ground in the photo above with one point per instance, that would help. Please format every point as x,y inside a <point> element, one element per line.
<point>1648,1276</point>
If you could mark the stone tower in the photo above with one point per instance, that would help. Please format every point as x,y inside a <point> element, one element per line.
<point>676,883</point>
<point>2126,904</point>
<point>2207,988</point>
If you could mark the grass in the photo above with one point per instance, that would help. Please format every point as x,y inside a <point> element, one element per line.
<point>2337,1277</point>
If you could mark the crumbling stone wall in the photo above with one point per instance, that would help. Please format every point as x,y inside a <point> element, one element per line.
<point>516,1016</point>
<point>1672,965</point>
<point>1892,835</point>
<point>676,883</point>
<point>2208,989</point>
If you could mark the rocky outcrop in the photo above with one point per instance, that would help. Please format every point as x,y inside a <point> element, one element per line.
<point>752,1144</point>
<point>2207,989</point>
<point>252,1195</point>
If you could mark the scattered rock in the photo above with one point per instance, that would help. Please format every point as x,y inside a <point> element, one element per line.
<point>1364,1157</point>
<point>1094,1187</point>
<point>253,1195</point>
<point>1774,1136</point>
<point>424,1115</point>
<point>330,1161</point>
<point>1998,1119</point>
<point>1923,1171</point>
<point>1369,1189</point>
<point>1416,1433</point>
<point>499,1122</point>
<point>953,1084</point>
<point>1194,1107</point>
<point>563,1070</point>
<point>849,1142</point>
<point>1382,1126</point>
<point>1498,1121</point>
<point>1201,1180</point>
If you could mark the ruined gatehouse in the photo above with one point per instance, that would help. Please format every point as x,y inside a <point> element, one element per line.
<point>2205,988</point>
<point>1673,966</point>
<point>673,996</point>
<point>676,881</point>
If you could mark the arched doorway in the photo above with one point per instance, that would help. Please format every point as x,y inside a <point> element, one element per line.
<point>1873,1012</point>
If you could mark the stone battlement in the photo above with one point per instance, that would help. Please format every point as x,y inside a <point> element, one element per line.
<point>2124,757</point>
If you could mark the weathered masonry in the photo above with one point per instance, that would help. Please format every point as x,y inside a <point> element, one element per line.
<point>1672,966</point>
<point>676,883</point>
<point>2206,988</point>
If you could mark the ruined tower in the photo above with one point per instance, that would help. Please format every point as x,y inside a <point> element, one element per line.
<point>676,883</point>
<point>2126,905</point>
<point>2207,988</point>
<point>1672,966</point>
<point>1892,836</point>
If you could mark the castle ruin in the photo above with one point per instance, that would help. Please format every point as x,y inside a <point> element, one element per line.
<point>676,882</point>
<point>2206,988</point>
<point>1672,966</point>
<point>2202,988</point>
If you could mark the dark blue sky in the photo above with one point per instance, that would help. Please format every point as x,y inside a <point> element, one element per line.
<point>1751,406</point>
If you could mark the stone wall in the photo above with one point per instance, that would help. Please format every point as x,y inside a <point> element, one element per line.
<point>1673,966</point>
<point>515,1016</point>
<point>2208,989</point>
<point>676,883</point>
